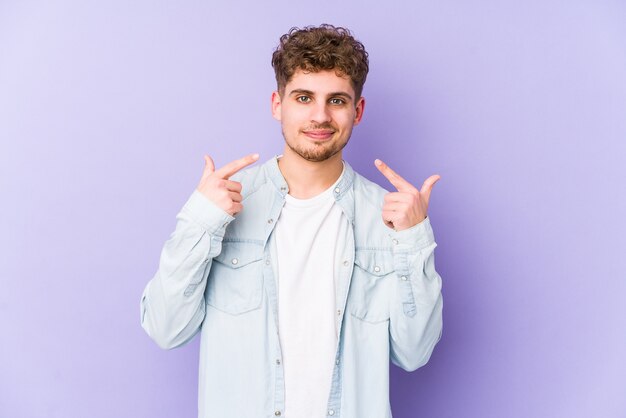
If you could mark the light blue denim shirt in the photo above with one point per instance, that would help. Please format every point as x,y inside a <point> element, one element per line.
<point>215,276</point>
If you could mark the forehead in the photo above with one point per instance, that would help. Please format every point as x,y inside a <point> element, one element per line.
<point>321,82</point>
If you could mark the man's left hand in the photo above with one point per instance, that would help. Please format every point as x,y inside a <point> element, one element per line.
<point>408,206</point>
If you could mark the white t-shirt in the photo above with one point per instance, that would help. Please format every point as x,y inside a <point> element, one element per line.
<point>308,235</point>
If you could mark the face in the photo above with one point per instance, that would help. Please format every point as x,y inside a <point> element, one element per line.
<point>317,112</point>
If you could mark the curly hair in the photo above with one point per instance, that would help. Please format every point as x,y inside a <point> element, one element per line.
<point>317,48</point>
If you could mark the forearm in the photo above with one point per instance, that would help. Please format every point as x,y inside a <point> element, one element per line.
<point>172,305</point>
<point>416,309</point>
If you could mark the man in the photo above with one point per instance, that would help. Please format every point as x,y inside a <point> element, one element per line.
<point>304,277</point>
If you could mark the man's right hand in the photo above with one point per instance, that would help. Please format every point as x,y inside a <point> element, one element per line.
<point>217,187</point>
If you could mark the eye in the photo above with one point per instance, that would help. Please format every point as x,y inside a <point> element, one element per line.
<point>337,101</point>
<point>303,99</point>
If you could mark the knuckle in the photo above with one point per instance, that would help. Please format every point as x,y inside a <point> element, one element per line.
<point>236,208</point>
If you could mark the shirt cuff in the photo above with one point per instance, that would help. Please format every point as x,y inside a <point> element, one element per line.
<point>207,214</point>
<point>415,238</point>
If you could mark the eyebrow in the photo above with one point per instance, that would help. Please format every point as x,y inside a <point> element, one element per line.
<point>310,93</point>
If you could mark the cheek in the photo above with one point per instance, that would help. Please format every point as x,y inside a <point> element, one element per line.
<point>288,123</point>
<point>294,118</point>
<point>346,120</point>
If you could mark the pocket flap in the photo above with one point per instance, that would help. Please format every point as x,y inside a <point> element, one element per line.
<point>239,254</point>
<point>374,262</point>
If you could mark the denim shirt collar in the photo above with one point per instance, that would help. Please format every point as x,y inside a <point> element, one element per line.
<point>342,192</point>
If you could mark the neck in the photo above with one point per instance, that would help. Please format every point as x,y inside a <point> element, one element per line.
<point>307,179</point>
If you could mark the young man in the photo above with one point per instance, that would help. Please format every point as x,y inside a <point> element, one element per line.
<point>304,277</point>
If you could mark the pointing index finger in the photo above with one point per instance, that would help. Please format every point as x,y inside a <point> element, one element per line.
<point>394,178</point>
<point>234,166</point>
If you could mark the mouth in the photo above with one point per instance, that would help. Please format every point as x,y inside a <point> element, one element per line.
<point>319,134</point>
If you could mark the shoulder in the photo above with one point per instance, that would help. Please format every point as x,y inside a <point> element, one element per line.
<point>258,198</point>
<point>369,228</point>
<point>252,179</point>
<point>366,192</point>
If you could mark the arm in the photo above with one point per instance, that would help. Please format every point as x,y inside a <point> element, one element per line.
<point>415,323</point>
<point>173,305</point>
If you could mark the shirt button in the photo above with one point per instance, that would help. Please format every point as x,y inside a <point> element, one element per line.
<point>338,311</point>
<point>234,261</point>
<point>269,221</point>
<point>277,413</point>
<point>376,269</point>
<point>337,361</point>
<point>403,277</point>
<point>278,361</point>
<point>346,262</point>
<point>331,412</point>
<point>267,262</point>
<point>283,188</point>
<point>395,241</point>
<point>225,224</point>
<point>337,190</point>
<point>206,260</point>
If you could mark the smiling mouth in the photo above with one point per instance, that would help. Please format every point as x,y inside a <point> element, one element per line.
<point>319,134</point>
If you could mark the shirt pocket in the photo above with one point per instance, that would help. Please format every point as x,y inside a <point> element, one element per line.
<point>236,278</point>
<point>370,286</point>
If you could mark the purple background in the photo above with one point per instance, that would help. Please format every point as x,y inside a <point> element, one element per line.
<point>106,109</point>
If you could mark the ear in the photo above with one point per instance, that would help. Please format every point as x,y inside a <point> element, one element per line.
<point>276,103</point>
<point>360,108</point>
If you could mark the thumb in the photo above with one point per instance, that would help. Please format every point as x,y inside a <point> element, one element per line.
<point>209,166</point>
<point>427,187</point>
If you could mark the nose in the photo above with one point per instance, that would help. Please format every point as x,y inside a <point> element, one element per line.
<point>320,113</point>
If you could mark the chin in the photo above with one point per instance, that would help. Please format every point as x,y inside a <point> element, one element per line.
<point>318,155</point>
<point>318,152</point>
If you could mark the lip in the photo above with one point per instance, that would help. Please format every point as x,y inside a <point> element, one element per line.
<point>319,135</point>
